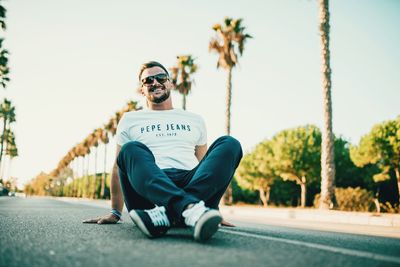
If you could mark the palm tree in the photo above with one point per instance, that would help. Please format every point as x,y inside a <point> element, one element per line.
<point>4,70</point>
<point>7,113</point>
<point>182,71</point>
<point>327,150</point>
<point>131,105</point>
<point>228,44</point>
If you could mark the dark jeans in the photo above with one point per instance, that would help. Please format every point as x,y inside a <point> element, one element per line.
<point>145,185</point>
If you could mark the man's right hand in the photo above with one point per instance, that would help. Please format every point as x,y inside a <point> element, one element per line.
<point>106,219</point>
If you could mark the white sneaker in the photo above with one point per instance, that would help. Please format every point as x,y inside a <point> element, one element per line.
<point>205,221</point>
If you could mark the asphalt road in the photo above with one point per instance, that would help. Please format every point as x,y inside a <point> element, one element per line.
<point>47,232</point>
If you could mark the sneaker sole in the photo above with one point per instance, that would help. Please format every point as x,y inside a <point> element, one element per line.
<point>207,225</point>
<point>139,223</point>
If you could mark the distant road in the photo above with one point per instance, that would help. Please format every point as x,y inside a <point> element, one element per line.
<point>47,232</point>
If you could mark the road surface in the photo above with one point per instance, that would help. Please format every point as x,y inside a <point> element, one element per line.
<point>46,232</point>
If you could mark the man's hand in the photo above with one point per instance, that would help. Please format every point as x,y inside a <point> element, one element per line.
<point>226,223</point>
<point>106,219</point>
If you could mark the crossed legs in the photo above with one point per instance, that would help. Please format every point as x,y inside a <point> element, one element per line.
<point>145,185</point>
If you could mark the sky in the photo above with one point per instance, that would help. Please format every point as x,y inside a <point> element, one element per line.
<point>75,63</point>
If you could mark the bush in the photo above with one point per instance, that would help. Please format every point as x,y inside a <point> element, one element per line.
<point>285,193</point>
<point>389,208</point>
<point>351,199</point>
<point>241,195</point>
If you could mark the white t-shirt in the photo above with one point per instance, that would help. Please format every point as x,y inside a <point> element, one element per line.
<point>170,134</point>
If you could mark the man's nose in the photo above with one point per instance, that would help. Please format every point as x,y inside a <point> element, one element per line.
<point>154,82</point>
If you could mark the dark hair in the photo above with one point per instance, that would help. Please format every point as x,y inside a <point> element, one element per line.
<point>149,65</point>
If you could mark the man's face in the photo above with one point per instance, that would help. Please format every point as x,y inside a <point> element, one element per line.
<point>156,85</point>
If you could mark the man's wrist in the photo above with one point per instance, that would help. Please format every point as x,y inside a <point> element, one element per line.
<point>116,213</point>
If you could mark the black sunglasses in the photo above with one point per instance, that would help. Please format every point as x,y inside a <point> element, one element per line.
<point>161,78</point>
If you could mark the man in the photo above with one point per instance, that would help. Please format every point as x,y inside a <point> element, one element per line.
<point>166,174</point>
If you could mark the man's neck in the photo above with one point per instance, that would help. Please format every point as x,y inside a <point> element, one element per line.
<point>166,105</point>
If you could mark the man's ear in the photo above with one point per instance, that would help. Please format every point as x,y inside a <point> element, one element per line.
<point>169,84</point>
<point>139,90</point>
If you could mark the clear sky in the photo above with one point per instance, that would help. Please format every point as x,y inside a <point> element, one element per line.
<point>74,63</point>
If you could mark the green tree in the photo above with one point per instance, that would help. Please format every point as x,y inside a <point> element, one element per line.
<point>327,152</point>
<point>380,147</point>
<point>297,155</point>
<point>256,172</point>
<point>57,186</point>
<point>181,76</point>
<point>347,173</point>
<point>40,185</point>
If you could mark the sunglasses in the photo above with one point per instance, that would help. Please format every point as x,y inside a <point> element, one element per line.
<point>161,78</point>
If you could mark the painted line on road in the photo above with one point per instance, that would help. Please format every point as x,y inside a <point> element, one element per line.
<point>349,252</point>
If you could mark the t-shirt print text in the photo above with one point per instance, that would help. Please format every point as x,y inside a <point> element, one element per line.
<point>167,129</point>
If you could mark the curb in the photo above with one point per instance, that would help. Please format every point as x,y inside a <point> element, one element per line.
<point>331,216</point>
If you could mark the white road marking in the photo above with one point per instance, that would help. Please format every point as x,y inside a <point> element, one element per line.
<point>345,251</point>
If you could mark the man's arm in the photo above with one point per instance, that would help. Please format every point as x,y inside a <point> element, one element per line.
<point>200,151</point>
<point>117,199</point>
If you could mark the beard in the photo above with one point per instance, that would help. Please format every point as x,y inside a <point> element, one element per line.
<point>161,98</point>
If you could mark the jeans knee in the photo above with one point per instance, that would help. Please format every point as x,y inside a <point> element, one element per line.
<point>129,149</point>
<point>232,144</point>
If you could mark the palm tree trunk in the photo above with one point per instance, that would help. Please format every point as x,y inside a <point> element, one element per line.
<point>228,101</point>
<point>3,137</point>
<point>103,178</point>
<point>87,164</point>
<point>327,144</point>
<point>397,171</point>
<point>3,166</point>
<point>303,192</point>
<point>95,174</point>
<point>264,195</point>
<point>74,188</point>
<point>228,195</point>
<point>83,167</point>
<point>75,172</point>
<point>80,181</point>
<point>9,170</point>
<point>86,183</point>
<point>184,101</point>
